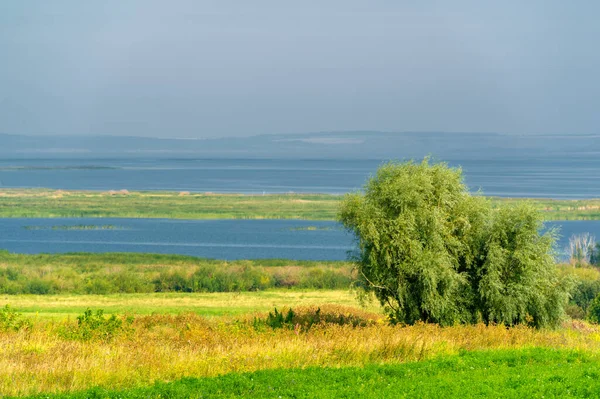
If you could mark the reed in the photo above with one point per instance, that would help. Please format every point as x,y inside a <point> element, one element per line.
<point>87,273</point>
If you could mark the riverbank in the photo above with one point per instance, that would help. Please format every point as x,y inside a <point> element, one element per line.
<point>43,203</point>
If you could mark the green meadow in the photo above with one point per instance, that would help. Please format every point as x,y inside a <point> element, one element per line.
<point>326,350</point>
<point>299,340</point>
<point>539,373</point>
<point>43,203</point>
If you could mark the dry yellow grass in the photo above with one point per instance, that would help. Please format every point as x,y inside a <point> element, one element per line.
<point>163,347</point>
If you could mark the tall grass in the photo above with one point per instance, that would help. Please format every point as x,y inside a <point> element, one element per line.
<point>161,347</point>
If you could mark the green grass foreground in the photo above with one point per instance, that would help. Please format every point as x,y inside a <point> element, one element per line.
<point>43,203</point>
<point>539,373</point>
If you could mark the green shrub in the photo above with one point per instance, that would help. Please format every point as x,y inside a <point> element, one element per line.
<point>252,278</point>
<point>11,273</point>
<point>10,287</point>
<point>575,312</point>
<point>13,321</point>
<point>95,326</point>
<point>39,287</point>
<point>321,278</point>
<point>172,281</point>
<point>307,318</point>
<point>129,283</point>
<point>277,319</point>
<point>593,313</point>
<point>210,278</point>
<point>99,286</point>
<point>595,255</point>
<point>584,292</point>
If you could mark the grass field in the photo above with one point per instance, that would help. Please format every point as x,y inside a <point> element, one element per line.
<point>54,355</point>
<point>57,307</point>
<point>43,203</point>
<point>182,345</point>
<point>529,373</point>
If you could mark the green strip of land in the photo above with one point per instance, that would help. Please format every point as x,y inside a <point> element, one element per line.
<point>129,273</point>
<point>43,203</point>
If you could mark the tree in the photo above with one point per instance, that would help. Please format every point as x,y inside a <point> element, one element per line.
<point>593,313</point>
<point>595,255</point>
<point>430,251</point>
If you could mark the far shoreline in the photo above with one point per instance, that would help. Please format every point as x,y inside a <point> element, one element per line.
<point>53,203</point>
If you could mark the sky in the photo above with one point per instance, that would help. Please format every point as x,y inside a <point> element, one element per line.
<point>204,69</point>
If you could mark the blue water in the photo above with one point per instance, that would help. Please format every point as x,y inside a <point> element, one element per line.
<point>535,176</point>
<point>220,239</point>
<point>542,177</point>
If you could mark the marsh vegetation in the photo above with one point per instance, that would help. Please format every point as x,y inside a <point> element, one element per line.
<point>84,273</point>
<point>41,203</point>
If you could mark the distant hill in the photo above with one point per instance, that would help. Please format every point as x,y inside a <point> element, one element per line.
<point>339,145</point>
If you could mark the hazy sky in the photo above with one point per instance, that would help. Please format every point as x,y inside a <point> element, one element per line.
<point>239,68</point>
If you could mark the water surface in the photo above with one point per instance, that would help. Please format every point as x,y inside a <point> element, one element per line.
<point>221,239</point>
<point>541,177</point>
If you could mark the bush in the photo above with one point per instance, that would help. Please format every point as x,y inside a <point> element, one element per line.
<point>595,255</point>
<point>278,320</point>
<point>98,286</point>
<point>172,281</point>
<point>584,292</point>
<point>593,312</point>
<point>129,283</point>
<point>9,287</point>
<point>320,278</point>
<point>12,321</point>
<point>39,287</point>
<point>306,318</point>
<point>575,312</point>
<point>95,326</point>
<point>432,252</point>
<point>210,278</point>
<point>11,273</point>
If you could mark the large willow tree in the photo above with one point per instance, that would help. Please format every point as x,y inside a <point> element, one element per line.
<point>430,251</point>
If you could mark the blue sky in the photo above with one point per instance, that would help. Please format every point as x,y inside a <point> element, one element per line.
<point>239,68</point>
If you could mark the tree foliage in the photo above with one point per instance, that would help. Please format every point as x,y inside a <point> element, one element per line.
<point>430,251</point>
<point>595,256</point>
